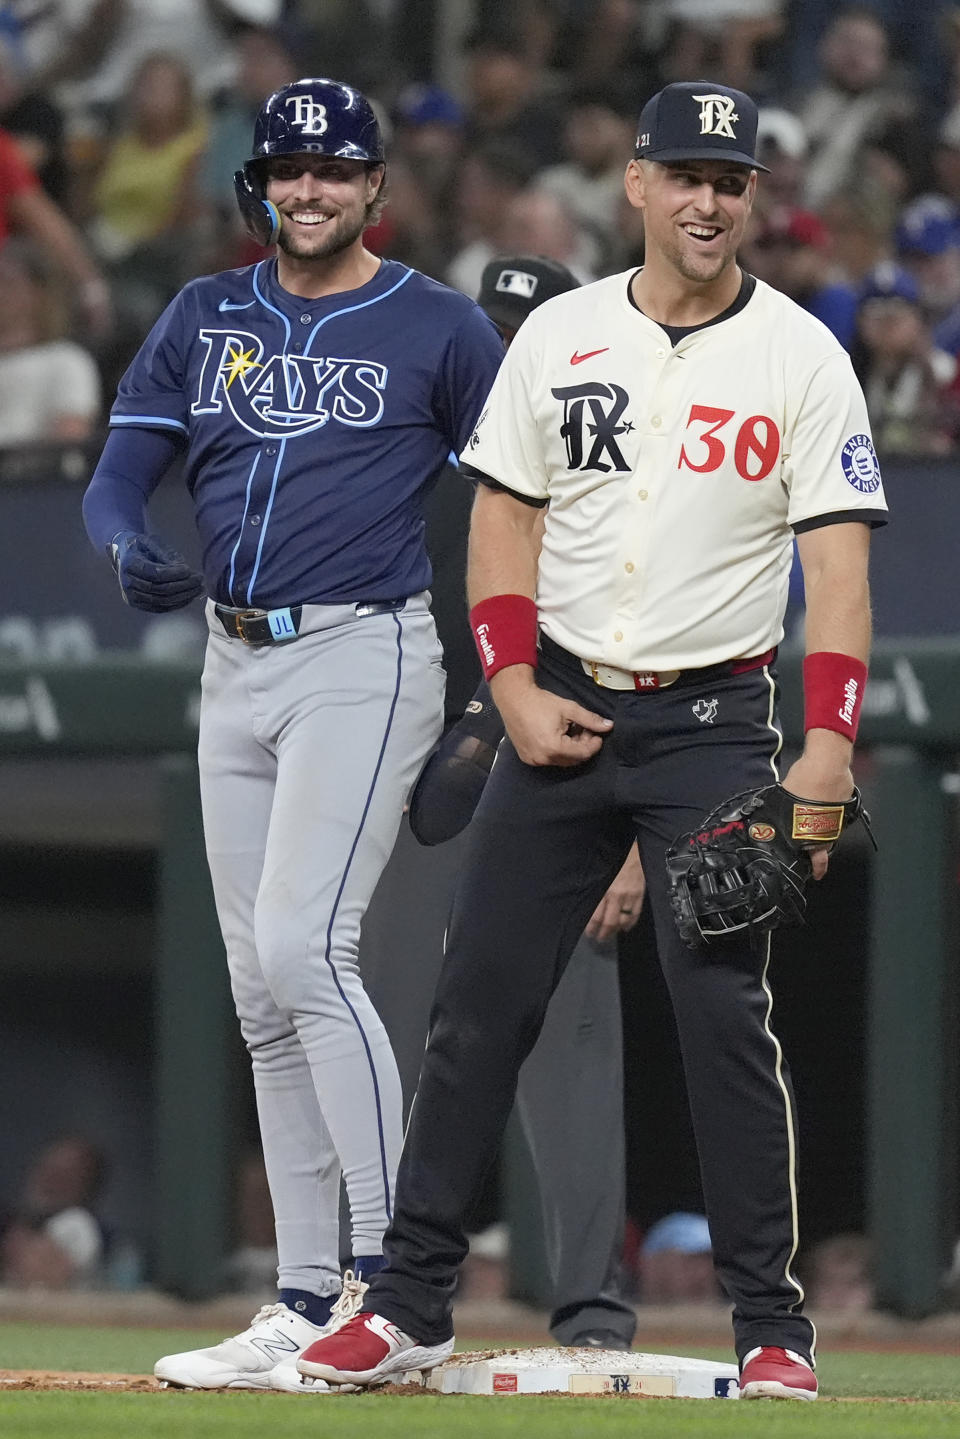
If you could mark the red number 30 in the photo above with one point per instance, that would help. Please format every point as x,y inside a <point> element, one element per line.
<point>755,450</point>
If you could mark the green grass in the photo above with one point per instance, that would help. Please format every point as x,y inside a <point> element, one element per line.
<point>932,1378</point>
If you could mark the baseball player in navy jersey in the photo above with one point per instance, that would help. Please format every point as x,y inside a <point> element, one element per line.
<point>315,397</point>
<point>679,424</point>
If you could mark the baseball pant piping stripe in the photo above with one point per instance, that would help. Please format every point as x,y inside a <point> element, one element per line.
<point>788,1107</point>
<point>791,1137</point>
<point>770,724</point>
<point>388,1203</point>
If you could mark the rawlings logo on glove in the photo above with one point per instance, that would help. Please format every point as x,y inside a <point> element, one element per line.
<point>747,866</point>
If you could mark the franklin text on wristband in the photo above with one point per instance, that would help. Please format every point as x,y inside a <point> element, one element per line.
<point>833,686</point>
<point>505,631</point>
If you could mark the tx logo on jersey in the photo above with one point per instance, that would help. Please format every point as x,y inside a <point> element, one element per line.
<point>716,115</point>
<point>279,396</point>
<point>706,710</point>
<point>308,115</point>
<point>593,413</point>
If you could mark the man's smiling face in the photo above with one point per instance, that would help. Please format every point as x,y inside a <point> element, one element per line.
<point>323,202</point>
<point>694,211</point>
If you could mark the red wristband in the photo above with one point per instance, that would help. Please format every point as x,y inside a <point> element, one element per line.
<point>505,631</point>
<point>833,687</point>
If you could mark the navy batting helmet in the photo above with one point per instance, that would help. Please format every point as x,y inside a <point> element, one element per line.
<point>319,117</point>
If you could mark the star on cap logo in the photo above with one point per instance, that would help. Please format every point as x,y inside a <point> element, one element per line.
<point>717,115</point>
<point>516,282</point>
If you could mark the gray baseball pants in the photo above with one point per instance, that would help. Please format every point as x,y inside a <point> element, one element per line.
<point>307,752</point>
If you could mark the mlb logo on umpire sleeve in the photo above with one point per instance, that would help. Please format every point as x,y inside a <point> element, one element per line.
<point>517,282</point>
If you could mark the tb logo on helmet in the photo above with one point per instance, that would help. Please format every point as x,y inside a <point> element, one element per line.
<point>717,115</point>
<point>308,115</point>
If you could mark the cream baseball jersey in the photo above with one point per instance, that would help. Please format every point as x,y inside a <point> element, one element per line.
<point>675,476</point>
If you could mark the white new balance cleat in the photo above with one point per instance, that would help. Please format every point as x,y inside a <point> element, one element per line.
<point>367,1350</point>
<point>247,1361</point>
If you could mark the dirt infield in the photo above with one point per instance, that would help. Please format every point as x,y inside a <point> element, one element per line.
<point>20,1379</point>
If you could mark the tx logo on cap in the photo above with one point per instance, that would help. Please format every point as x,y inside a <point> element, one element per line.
<point>516,282</point>
<point>717,115</point>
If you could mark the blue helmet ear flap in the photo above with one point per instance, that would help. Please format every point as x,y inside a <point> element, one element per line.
<point>261,217</point>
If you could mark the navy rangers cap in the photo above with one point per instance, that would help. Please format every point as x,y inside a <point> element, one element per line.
<point>513,286</point>
<point>698,120</point>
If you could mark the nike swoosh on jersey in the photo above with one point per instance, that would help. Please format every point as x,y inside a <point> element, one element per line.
<point>230,305</point>
<point>577,359</point>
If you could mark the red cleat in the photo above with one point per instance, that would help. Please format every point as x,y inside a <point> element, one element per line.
<point>773,1373</point>
<point>369,1350</point>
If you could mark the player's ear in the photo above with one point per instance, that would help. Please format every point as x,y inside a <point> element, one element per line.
<point>634,182</point>
<point>376,175</point>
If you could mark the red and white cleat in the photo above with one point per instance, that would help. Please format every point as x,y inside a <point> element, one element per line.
<point>772,1373</point>
<point>369,1350</point>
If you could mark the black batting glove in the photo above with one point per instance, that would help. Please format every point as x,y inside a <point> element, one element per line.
<point>152,576</point>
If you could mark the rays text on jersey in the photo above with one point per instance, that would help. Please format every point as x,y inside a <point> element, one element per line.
<point>280,395</point>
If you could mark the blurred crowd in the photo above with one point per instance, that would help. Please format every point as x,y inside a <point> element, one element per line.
<point>53,1236</point>
<point>122,122</point>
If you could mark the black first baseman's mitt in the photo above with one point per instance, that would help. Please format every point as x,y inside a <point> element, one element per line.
<point>748,864</point>
<point>452,781</point>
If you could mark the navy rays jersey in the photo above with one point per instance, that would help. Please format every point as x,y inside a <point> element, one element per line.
<point>313,426</point>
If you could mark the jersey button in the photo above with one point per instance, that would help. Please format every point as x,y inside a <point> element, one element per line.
<point>305,319</point>
<point>270,450</point>
<point>254,519</point>
<point>655,422</point>
<point>618,635</point>
<point>298,348</point>
<point>660,354</point>
<point>629,567</point>
<point>643,494</point>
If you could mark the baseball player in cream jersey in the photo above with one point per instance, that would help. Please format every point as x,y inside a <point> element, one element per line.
<point>317,396</point>
<point>680,424</point>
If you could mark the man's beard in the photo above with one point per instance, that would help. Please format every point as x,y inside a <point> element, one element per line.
<point>337,235</point>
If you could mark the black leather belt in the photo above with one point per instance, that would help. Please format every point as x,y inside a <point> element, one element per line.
<point>277,627</point>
